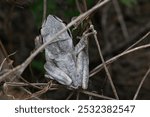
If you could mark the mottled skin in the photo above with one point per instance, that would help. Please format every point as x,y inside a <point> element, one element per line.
<point>65,63</point>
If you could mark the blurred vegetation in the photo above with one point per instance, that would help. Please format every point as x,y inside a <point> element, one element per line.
<point>36,64</point>
<point>53,8</point>
<point>129,3</point>
<point>37,10</point>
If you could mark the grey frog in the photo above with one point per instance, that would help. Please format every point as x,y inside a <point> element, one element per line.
<point>65,63</point>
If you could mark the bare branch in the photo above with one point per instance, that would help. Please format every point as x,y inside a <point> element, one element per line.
<point>121,19</point>
<point>97,95</point>
<point>99,67</point>
<point>141,83</point>
<point>138,41</point>
<point>44,9</point>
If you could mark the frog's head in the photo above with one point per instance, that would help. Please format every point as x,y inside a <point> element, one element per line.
<point>51,26</point>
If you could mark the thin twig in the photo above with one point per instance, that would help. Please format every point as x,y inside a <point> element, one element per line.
<point>104,24</point>
<point>19,84</point>
<point>78,6</point>
<point>29,83</point>
<point>38,93</point>
<point>5,89</point>
<point>138,41</point>
<point>85,5</point>
<point>19,69</point>
<point>90,96</point>
<point>99,1</point>
<point>99,67</point>
<point>141,83</point>
<point>70,95</point>
<point>78,95</point>
<point>132,40</point>
<point>29,92</point>
<point>121,19</point>
<point>105,67</point>
<point>100,52</point>
<point>97,95</point>
<point>44,9</point>
<point>5,60</point>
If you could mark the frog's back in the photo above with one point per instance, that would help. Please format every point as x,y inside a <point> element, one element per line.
<point>63,43</point>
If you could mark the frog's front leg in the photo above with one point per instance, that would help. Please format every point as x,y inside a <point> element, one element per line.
<point>81,51</point>
<point>56,73</point>
<point>82,63</point>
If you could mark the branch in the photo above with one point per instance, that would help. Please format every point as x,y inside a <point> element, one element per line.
<point>99,67</point>
<point>121,19</point>
<point>141,83</point>
<point>97,95</point>
<point>44,9</point>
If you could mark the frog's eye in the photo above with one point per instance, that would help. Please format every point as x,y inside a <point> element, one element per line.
<point>57,18</point>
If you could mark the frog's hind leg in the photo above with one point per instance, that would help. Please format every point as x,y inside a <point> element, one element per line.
<point>56,73</point>
<point>83,68</point>
<point>81,50</point>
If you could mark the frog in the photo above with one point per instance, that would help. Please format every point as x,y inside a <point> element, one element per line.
<point>65,63</point>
